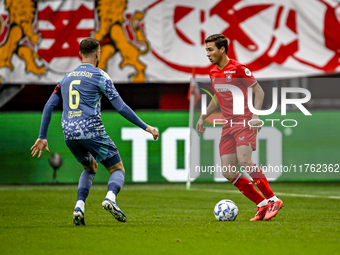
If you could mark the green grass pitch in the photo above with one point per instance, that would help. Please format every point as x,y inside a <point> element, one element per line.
<point>168,219</point>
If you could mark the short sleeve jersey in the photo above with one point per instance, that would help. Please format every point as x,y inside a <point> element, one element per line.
<point>236,74</point>
<point>81,92</point>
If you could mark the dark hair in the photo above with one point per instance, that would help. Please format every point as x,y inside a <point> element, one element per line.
<point>88,45</point>
<point>219,41</point>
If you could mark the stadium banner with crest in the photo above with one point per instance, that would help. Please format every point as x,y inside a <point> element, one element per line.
<point>163,40</point>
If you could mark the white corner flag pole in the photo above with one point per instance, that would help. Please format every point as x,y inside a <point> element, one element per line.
<point>191,124</point>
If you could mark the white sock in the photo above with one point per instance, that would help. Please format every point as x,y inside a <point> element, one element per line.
<point>263,203</point>
<point>110,195</point>
<point>81,205</point>
<point>273,198</point>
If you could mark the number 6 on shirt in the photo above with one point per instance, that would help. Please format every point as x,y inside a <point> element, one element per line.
<point>73,93</point>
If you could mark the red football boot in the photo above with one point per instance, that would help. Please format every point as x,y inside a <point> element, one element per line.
<point>273,209</point>
<point>261,212</point>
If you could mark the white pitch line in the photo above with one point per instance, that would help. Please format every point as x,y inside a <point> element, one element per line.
<point>305,195</point>
<point>133,188</point>
<point>276,193</point>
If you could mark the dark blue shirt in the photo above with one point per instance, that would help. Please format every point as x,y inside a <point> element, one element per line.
<point>81,91</point>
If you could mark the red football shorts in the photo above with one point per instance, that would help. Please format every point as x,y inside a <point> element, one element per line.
<point>235,136</point>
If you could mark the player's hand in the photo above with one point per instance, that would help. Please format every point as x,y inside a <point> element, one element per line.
<point>200,126</point>
<point>255,124</point>
<point>39,145</point>
<point>152,131</point>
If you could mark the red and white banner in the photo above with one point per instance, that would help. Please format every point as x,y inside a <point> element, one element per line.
<point>163,40</point>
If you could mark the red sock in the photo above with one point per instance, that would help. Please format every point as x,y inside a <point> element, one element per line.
<point>261,181</point>
<point>247,188</point>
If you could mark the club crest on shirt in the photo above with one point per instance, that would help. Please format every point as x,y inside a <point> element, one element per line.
<point>229,77</point>
<point>247,71</point>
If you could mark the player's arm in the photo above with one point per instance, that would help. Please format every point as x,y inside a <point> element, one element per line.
<point>124,110</point>
<point>258,101</point>
<point>41,142</point>
<point>212,107</point>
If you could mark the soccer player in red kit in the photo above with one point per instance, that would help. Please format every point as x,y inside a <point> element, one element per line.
<point>238,139</point>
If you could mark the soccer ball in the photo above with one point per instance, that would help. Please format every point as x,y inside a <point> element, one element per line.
<point>226,210</point>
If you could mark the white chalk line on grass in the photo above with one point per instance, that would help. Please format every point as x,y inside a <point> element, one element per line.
<point>154,188</point>
<point>276,193</point>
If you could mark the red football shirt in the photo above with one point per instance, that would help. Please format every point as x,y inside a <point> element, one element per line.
<point>236,74</point>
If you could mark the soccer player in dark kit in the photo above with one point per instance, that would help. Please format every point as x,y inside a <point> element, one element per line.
<point>81,91</point>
